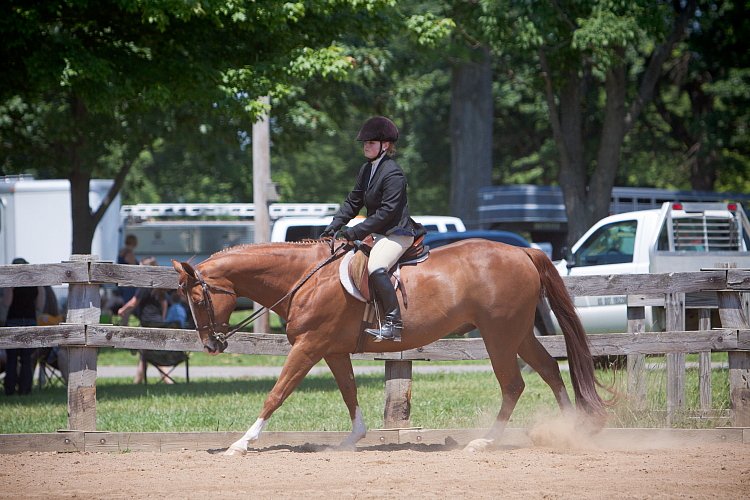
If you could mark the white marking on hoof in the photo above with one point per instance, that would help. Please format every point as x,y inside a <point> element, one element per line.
<point>233,451</point>
<point>239,447</point>
<point>479,445</point>
<point>359,431</point>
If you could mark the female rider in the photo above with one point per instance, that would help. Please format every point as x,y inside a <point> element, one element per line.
<point>381,188</point>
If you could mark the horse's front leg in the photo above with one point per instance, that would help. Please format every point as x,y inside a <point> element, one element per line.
<point>341,367</point>
<point>301,359</point>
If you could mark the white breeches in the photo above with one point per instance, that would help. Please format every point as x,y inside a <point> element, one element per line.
<point>387,250</point>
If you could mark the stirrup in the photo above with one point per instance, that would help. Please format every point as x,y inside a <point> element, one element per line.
<point>389,331</point>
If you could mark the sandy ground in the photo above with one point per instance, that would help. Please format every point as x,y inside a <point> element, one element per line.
<point>562,470</point>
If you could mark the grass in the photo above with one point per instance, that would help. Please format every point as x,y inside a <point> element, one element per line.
<point>440,400</point>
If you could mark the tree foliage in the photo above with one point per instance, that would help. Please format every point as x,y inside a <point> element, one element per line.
<point>599,62</point>
<point>95,88</point>
<point>161,96</point>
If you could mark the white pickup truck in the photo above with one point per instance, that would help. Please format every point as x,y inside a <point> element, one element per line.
<point>679,237</point>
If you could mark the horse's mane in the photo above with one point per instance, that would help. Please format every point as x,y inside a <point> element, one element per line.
<point>256,246</point>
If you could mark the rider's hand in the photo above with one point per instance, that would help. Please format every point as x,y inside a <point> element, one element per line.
<point>347,233</point>
<point>329,231</point>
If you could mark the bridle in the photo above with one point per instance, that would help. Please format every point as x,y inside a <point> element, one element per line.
<point>214,330</point>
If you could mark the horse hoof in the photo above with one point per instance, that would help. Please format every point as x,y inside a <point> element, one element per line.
<point>346,447</point>
<point>234,452</point>
<point>478,445</point>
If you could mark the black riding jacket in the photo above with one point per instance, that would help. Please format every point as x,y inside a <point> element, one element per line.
<point>385,200</point>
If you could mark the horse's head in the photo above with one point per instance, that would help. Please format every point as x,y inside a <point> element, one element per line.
<point>211,302</point>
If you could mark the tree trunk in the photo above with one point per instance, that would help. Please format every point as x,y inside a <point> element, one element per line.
<point>79,165</point>
<point>471,134</point>
<point>587,197</point>
<point>610,145</point>
<point>82,220</point>
<point>703,168</point>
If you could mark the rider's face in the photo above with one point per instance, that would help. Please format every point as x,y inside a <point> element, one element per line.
<point>372,149</point>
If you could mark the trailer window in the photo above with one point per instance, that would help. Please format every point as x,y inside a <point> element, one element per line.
<point>610,244</point>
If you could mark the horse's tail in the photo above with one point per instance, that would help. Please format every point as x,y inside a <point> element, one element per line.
<point>576,342</point>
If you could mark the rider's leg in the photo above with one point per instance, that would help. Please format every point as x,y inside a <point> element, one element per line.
<point>391,326</point>
<point>384,255</point>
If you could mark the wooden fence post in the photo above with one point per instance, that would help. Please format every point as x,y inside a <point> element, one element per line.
<point>733,316</point>
<point>397,394</point>
<point>637,362</point>
<point>704,362</point>
<point>675,312</point>
<point>84,307</point>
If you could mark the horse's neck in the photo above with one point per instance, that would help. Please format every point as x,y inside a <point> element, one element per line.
<point>266,273</point>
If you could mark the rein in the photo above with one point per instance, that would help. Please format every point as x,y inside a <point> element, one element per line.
<point>222,337</point>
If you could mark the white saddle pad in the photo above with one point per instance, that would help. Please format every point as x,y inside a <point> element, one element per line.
<point>346,280</point>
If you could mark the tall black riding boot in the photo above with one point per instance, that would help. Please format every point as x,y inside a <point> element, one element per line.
<point>386,295</point>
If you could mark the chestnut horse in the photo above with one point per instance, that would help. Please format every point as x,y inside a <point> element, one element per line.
<point>471,284</point>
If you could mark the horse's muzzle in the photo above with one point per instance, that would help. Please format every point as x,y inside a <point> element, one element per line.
<point>214,346</point>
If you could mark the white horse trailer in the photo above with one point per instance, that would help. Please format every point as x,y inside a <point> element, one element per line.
<point>36,221</point>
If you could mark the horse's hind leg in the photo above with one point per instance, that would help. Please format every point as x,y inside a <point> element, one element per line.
<point>301,358</point>
<point>534,353</point>
<point>343,373</point>
<point>508,373</point>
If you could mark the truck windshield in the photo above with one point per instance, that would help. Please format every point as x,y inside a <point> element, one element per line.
<point>610,244</point>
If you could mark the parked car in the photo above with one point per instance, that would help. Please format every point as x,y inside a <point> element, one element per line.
<point>300,228</point>
<point>435,240</point>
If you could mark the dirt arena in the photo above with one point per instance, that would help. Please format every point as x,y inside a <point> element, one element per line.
<point>597,469</point>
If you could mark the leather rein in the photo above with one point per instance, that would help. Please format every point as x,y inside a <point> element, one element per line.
<point>222,337</point>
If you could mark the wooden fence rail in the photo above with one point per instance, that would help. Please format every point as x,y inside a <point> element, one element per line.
<point>721,289</point>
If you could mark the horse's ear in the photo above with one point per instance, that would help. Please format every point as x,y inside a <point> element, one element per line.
<point>183,268</point>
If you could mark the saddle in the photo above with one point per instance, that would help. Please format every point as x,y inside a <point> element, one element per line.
<point>353,268</point>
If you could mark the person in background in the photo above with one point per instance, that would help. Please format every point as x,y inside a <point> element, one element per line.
<point>177,312</point>
<point>149,304</point>
<point>24,304</point>
<point>127,256</point>
<point>52,315</point>
<point>131,242</point>
<point>150,307</point>
<point>3,317</point>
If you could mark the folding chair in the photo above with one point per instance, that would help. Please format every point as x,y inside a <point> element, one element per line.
<point>165,362</point>
<point>50,373</point>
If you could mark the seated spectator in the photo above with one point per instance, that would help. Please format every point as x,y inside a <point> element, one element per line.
<point>177,312</point>
<point>150,307</point>
<point>127,256</point>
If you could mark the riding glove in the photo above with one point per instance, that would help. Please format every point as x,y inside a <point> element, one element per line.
<point>347,233</point>
<point>330,230</point>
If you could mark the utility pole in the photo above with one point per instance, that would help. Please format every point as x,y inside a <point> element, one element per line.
<point>261,182</point>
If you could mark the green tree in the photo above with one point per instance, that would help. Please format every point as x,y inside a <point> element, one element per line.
<point>399,71</point>
<point>599,62</point>
<point>699,115</point>
<point>96,88</point>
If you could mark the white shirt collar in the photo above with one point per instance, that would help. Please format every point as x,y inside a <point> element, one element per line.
<point>374,167</point>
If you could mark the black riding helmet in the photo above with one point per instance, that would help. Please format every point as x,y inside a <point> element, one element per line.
<point>378,128</point>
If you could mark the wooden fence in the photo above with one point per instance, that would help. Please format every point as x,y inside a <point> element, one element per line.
<point>82,334</point>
